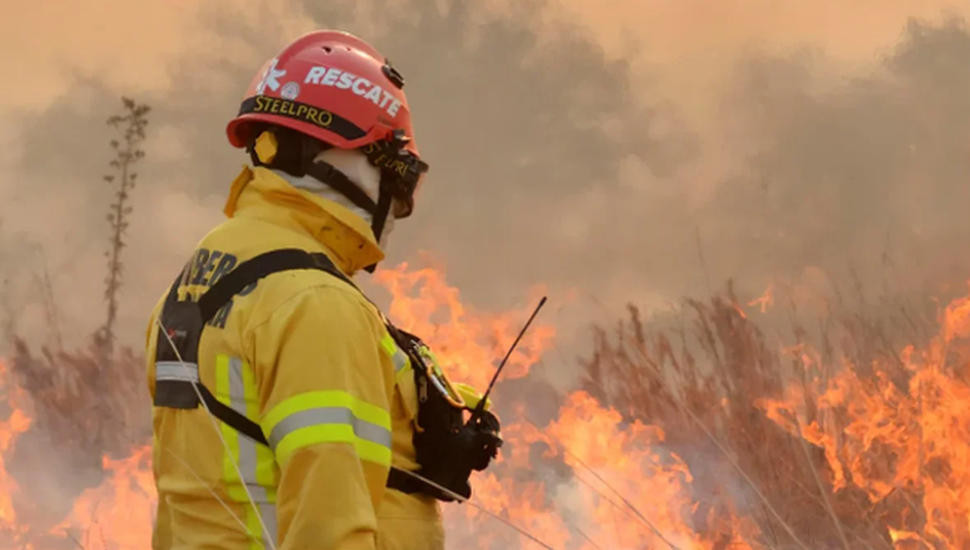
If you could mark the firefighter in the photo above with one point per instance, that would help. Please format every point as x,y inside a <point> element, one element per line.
<point>284,403</point>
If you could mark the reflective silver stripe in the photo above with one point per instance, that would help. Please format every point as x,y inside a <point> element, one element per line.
<point>237,391</point>
<point>400,360</point>
<point>265,507</point>
<point>247,447</point>
<point>329,415</point>
<point>174,370</point>
<point>267,510</point>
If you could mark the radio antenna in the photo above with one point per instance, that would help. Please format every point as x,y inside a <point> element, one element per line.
<point>481,404</point>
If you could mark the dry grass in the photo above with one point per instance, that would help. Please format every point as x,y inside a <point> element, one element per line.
<point>83,407</point>
<point>702,375</point>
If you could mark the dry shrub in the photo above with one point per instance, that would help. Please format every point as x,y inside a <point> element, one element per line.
<point>85,405</point>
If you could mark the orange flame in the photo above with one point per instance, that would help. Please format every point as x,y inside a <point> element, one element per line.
<point>16,423</point>
<point>578,509</point>
<point>117,515</point>
<point>899,429</point>
<point>468,343</point>
<point>766,299</point>
<point>593,478</point>
<point>595,439</point>
<point>631,491</point>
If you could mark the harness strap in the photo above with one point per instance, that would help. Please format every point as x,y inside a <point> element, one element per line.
<point>253,270</point>
<point>339,181</point>
<point>232,418</point>
<point>244,275</point>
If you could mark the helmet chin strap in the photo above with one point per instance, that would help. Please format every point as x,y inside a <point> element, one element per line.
<point>324,178</point>
<point>381,213</point>
<point>313,166</point>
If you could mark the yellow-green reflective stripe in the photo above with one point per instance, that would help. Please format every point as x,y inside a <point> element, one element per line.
<point>258,460</point>
<point>266,474</point>
<point>253,525</point>
<point>405,370</point>
<point>388,344</point>
<point>236,387</point>
<point>230,435</point>
<point>268,513</point>
<point>333,433</point>
<point>329,398</point>
<point>329,417</point>
<point>398,357</point>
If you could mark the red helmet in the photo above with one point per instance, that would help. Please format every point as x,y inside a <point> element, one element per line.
<point>336,88</point>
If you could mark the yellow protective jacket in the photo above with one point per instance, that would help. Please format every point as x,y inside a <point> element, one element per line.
<point>309,358</point>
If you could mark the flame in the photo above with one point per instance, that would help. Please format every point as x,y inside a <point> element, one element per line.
<point>766,299</point>
<point>593,477</point>
<point>468,343</point>
<point>118,514</point>
<point>617,486</point>
<point>629,455</point>
<point>902,536</point>
<point>600,450</point>
<point>16,423</point>
<point>901,428</point>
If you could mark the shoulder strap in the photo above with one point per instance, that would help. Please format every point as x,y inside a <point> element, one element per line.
<point>254,269</point>
<point>235,281</point>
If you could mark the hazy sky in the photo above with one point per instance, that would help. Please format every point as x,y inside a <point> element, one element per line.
<point>589,149</point>
<point>53,39</point>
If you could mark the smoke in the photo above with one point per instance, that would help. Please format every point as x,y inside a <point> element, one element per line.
<point>800,146</point>
<point>867,170</point>
<point>601,163</point>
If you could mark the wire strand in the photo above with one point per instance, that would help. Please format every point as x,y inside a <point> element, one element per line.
<point>215,426</point>
<point>481,508</point>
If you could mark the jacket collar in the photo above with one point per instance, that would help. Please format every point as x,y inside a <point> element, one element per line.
<point>261,194</point>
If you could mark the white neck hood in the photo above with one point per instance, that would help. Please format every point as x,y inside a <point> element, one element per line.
<point>359,170</point>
